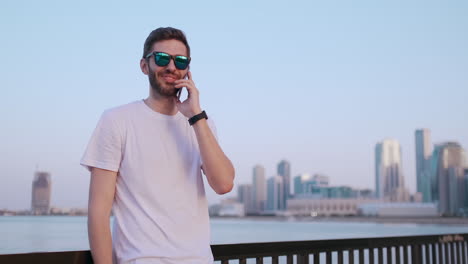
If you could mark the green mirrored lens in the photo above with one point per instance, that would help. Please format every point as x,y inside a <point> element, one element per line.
<point>181,62</point>
<point>162,59</point>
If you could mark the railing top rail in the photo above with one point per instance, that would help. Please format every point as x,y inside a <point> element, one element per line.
<point>289,247</point>
<point>248,250</point>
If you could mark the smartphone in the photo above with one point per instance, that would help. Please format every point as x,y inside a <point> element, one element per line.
<point>179,91</point>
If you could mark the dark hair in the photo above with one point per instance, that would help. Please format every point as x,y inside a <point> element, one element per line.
<point>164,33</point>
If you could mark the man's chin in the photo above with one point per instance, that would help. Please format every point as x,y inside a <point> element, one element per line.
<point>168,92</point>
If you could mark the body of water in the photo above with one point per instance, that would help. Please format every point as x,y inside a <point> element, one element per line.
<point>20,234</point>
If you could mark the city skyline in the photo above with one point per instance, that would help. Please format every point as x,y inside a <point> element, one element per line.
<point>259,170</point>
<point>355,73</point>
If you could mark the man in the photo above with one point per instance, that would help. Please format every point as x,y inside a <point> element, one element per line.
<point>146,159</point>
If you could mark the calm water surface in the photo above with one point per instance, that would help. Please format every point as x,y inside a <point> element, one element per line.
<point>20,234</point>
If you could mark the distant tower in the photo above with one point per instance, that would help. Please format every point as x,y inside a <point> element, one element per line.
<point>258,189</point>
<point>244,196</point>
<point>41,190</point>
<point>448,164</point>
<point>284,170</point>
<point>389,182</point>
<point>275,196</point>
<point>423,161</point>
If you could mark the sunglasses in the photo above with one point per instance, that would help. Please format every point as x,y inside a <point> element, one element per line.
<point>163,59</point>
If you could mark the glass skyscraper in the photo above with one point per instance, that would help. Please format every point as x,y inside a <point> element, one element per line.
<point>284,170</point>
<point>275,194</point>
<point>448,175</point>
<point>389,181</point>
<point>258,189</point>
<point>423,159</point>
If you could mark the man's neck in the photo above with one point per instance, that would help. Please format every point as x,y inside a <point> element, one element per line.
<point>161,104</point>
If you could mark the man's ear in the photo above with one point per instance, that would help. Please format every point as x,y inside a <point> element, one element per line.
<point>144,66</point>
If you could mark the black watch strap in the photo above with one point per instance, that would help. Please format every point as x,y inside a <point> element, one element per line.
<point>195,118</point>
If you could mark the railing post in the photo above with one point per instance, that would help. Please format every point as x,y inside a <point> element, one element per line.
<point>329,257</point>
<point>433,253</point>
<point>397,254</point>
<point>317,257</point>
<point>459,252</point>
<point>371,256</point>
<point>340,257</point>
<point>259,260</point>
<point>303,258</point>
<point>351,256</point>
<point>274,259</point>
<point>463,251</point>
<point>289,259</point>
<point>380,255</point>
<point>405,254</point>
<point>453,253</point>
<point>416,254</point>
<point>242,261</point>
<point>389,255</point>
<point>427,253</point>
<point>441,253</point>
<point>361,256</point>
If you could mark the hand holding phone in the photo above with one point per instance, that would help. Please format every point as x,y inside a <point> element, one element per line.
<point>179,90</point>
<point>189,106</point>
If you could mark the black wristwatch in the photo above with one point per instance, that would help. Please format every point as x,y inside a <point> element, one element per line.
<point>195,118</point>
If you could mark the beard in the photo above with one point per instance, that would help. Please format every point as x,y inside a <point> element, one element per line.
<point>165,90</point>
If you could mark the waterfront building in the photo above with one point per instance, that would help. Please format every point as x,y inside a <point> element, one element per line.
<point>227,207</point>
<point>305,184</point>
<point>259,189</point>
<point>344,192</point>
<point>326,207</point>
<point>423,159</point>
<point>448,173</point>
<point>244,196</point>
<point>389,180</point>
<point>284,170</point>
<point>275,194</point>
<point>398,209</point>
<point>41,192</point>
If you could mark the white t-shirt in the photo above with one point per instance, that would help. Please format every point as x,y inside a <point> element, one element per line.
<point>160,209</point>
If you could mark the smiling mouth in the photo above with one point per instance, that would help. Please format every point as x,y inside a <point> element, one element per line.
<point>169,79</point>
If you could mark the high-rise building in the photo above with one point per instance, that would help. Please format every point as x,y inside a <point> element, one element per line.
<point>284,170</point>
<point>423,161</point>
<point>41,190</point>
<point>244,196</point>
<point>275,194</point>
<point>306,185</point>
<point>466,188</point>
<point>448,170</point>
<point>389,181</point>
<point>259,189</point>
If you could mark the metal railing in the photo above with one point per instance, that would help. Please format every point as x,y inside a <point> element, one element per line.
<point>434,249</point>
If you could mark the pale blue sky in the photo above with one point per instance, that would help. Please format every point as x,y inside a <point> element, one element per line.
<point>317,83</point>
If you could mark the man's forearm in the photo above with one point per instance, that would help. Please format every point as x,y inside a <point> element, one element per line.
<point>217,167</point>
<point>100,240</point>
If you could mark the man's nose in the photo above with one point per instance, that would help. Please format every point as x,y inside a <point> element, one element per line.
<point>171,66</point>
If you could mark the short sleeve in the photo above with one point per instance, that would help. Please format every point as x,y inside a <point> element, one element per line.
<point>104,149</point>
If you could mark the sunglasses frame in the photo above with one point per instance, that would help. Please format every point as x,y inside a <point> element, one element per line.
<point>172,57</point>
